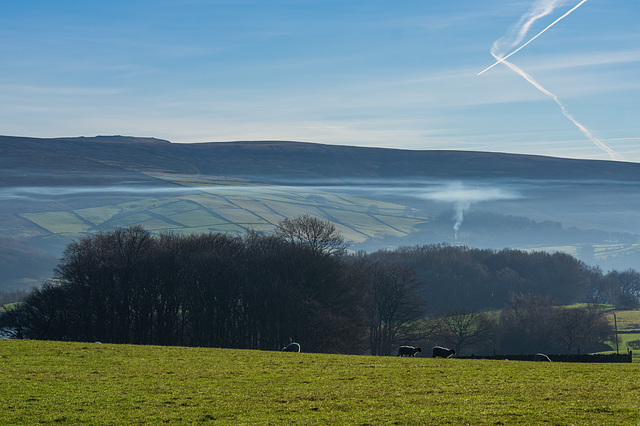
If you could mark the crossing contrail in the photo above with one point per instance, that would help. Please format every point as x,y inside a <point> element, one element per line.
<point>524,28</point>
<point>540,10</point>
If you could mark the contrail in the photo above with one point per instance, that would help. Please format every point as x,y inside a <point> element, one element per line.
<point>502,59</point>
<point>540,10</point>
<point>612,154</point>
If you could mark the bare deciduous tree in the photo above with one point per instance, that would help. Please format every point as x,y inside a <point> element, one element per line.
<point>463,328</point>
<point>393,305</point>
<point>582,328</point>
<point>532,324</point>
<point>526,325</point>
<point>622,288</point>
<point>320,235</point>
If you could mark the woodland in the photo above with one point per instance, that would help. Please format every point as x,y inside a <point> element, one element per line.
<point>262,291</point>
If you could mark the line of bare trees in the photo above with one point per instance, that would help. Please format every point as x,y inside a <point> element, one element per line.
<point>261,291</point>
<point>483,279</point>
<point>529,324</point>
<point>254,291</point>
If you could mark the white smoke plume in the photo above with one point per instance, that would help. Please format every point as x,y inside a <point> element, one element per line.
<point>461,207</point>
<point>462,196</point>
<point>540,9</point>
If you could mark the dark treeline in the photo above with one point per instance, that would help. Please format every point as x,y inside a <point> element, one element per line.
<point>257,291</point>
<point>490,228</point>
<point>482,279</point>
<point>261,291</point>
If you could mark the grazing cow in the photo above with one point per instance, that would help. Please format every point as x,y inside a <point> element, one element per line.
<point>541,357</point>
<point>292,347</point>
<point>440,352</point>
<point>408,351</point>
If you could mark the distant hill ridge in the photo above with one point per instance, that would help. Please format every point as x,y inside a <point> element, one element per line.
<point>273,160</point>
<point>114,139</point>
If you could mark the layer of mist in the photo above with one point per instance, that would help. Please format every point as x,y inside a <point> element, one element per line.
<point>54,191</point>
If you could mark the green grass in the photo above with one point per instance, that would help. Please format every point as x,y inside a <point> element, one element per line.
<point>9,307</point>
<point>623,338</point>
<point>98,215</point>
<point>79,383</point>
<point>58,222</point>
<point>629,329</point>
<point>628,321</point>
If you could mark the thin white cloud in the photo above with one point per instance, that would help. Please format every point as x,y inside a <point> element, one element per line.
<point>59,91</point>
<point>584,59</point>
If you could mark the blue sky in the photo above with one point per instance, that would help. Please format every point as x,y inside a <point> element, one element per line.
<point>383,73</point>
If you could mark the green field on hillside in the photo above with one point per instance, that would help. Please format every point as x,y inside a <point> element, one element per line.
<point>628,323</point>
<point>220,207</point>
<point>201,204</point>
<point>100,384</point>
<point>602,251</point>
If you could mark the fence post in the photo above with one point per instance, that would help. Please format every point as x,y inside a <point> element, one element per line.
<point>615,322</point>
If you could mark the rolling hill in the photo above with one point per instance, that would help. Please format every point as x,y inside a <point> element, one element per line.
<point>276,160</point>
<point>55,190</point>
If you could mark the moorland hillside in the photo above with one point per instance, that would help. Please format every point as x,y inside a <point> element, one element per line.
<point>54,190</point>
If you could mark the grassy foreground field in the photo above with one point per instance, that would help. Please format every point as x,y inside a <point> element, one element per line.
<point>99,384</point>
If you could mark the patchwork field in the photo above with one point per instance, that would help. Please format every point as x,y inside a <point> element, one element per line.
<point>216,206</point>
<point>601,252</point>
<point>100,384</point>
